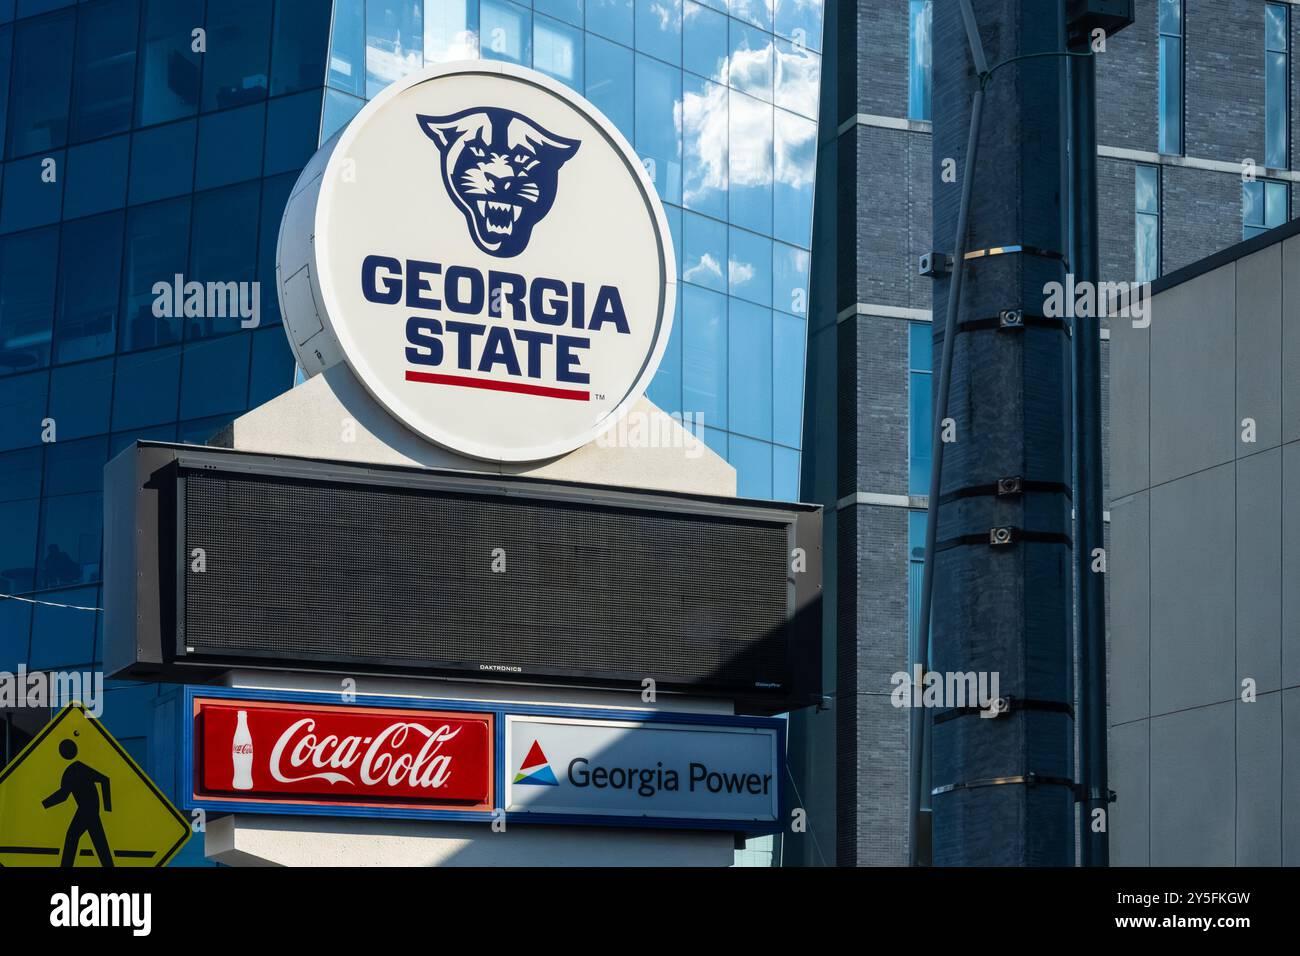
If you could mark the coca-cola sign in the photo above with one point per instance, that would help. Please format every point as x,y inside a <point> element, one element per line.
<point>350,754</point>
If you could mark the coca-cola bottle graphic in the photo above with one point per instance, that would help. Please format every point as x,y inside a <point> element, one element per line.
<point>242,754</point>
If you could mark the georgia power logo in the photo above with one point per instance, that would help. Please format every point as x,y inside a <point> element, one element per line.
<point>509,304</point>
<point>536,769</point>
<point>502,169</point>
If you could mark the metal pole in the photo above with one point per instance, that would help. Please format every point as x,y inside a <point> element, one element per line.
<point>1089,529</point>
<point>919,723</point>
<point>918,714</point>
<point>1003,789</point>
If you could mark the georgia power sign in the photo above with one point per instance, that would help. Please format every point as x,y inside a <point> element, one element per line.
<point>485,251</point>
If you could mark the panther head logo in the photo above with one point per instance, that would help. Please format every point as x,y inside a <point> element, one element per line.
<point>501,169</point>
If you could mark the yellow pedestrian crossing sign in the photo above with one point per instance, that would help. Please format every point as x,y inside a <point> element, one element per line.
<point>74,797</point>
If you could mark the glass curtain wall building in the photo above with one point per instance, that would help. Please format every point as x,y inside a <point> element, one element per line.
<point>154,142</point>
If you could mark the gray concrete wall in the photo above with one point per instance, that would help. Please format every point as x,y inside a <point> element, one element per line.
<point>1205,570</point>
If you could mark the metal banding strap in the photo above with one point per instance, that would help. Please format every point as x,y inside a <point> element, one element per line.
<point>1039,537</point>
<point>1017,250</point>
<point>1026,487</point>
<point>1025,780</point>
<point>1029,321</point>
<point>1013,704</point>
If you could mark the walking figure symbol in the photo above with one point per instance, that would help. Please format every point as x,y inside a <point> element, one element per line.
<point>80,782</point>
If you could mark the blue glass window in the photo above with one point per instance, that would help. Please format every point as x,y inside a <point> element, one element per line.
<point>1277,76</point>
<point>15,629</point>
<point>230,146</point>
<point>506,32</point>
<point>236,65</point>
<point>27,270</point>
<point>169,66</point>
<point>920,403</point>
<point>96,177</point>
<point>798,79</point>
<point>146,389</point>
<point>704,41</point>
<point>750,67</point>
<point>716,439</point>
<point>608,67</point>
<point>790,279</point>
<point>704,145</point>
<point>757,12</point>
<point>104,77</point>
<point>162,162</point>
<point>71,532</point>
<point>214,377</point>
<point>749,204</point>
<point>799,21</point>
<point>1263,206</point>
<point>1171,75</point>
<point>659,29</point>
<point>919,67</point>
<point>674,216</point>
<point>570,11</point>
<point>79,398</point>
<point>789,342</point>
<point>72,467</point>
<point>753,463</point>
<point>557,51</point>
<point>794,169</point>
<point>338,112</point>
<point>1147,221</point>
<point>292,132</point>
<point>749,266</point>
<point>156,249</point>
<point>62,636</point>
<point>704,252</point>
<point>666,387</point>
<point>298,41</point>
<point>394,41</point>
<point>451,29</point>
<point>33,192</point>
<point>223,249</point>
<point>347,70</point>
<point>704,354</point>
<point>749,353</point>
<point>785,474</point>
<point>91,257</point>
<point>272,371</point>
<point>42,79</point>
<point>18,546</point>
<point>611,18</point>
<point>275,194</point>
<point>22,409</point>
<point>20,474</point>
<point>6,48</point>
<point>30,8</point>
<point>658,106</point>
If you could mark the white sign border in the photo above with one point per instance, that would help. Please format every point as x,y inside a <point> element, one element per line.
<point>508,725</point>
<point>371,381</point>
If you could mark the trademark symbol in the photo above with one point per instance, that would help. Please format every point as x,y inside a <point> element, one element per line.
<point>599,396</point>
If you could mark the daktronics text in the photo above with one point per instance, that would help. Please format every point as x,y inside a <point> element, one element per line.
<point>507,307</point>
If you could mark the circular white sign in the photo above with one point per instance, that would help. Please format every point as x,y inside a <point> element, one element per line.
<point>487,254</point>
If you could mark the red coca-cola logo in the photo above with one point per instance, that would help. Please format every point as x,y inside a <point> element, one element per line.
<point>344,754</point>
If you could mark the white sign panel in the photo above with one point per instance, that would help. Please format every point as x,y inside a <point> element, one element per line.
<point>486,252</point>
<point>641,769</point>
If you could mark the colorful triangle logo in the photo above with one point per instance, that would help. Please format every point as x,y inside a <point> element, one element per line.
<point>535,770</point>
